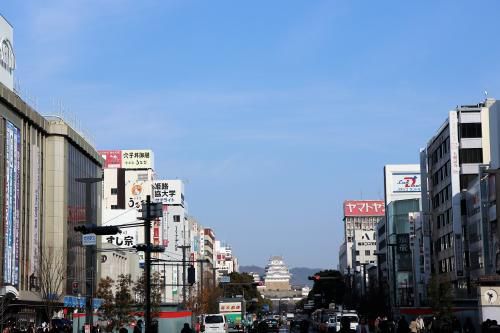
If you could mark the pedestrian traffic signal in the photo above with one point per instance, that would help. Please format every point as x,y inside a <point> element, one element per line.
<point>98,230</point>
<point>191,275</point>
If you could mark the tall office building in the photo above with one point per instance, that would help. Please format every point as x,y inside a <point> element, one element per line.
<point>360,220</point>
<point>451,159</point>
<point>402,185</point>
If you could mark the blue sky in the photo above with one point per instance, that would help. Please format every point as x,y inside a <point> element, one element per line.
<point>274,111</point>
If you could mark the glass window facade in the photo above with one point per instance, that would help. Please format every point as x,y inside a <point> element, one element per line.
<point>79,166</point>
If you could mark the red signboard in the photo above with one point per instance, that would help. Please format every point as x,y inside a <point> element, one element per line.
<point>112,158</point>
<point>364,208</point>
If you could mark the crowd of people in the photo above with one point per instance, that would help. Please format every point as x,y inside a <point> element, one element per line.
<point>418,324</point>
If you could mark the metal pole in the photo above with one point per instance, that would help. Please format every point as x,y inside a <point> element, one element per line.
<point>90,251</point>
<point>184,248</point>
<point>394,275</point>
<point>89,258</point>
<point>147,264</point>
<point>213,276</point>
<point>201,281</point>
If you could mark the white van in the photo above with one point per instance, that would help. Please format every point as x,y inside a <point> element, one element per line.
<point>214,323</point>
<point>353,319</point>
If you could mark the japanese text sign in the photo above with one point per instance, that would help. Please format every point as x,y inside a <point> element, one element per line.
<point>364,208</point>
<point>169,192</point>
<point>403,243</point>
<point>137,159</point>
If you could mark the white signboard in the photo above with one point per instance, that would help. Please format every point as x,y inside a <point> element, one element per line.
<point>89,240</point>
<point>168,192</point>
<point>137,159</point>
<point>7,57</point>
<point>229,307</point>
<point>406,182</point>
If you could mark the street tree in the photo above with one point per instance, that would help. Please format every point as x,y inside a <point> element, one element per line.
<point>440,298</point>
<point>51,274</point>
<point>105,291</point>
<point>123,300</point>
<point>140,294</point>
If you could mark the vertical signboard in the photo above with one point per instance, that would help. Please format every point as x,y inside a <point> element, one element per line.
<point>455,185</point>
<point>35,209</point>
<point>12,204</point>
<point>164,226</point>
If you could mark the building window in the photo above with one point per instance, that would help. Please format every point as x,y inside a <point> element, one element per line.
<point>114,190</point>
<point>357,253</point>
<point>465,180</point>
<point>367,252</point>
<point>114,206</point>
<point>470,130</point>
<point>177,218</point>
<point>471,155</point>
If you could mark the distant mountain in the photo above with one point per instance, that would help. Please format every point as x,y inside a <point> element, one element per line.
<point>253,269</point>
<point>299,274</point>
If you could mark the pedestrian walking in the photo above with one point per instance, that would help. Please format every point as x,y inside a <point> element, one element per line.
<point>413,326</point>
<point>468,326</point>
<point>403,326</point>
<point>494,327</point>
<point>363,326</point>
<point>420,324</point>
<point>138,327</point>
<point>455,325</point>
<point>186,328</point>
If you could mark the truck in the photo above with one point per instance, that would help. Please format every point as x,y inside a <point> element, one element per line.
<point>234,311</point>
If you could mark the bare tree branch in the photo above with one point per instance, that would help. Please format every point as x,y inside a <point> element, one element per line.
<point>51,276</point>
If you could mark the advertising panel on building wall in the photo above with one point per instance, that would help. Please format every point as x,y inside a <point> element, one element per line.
<point>112,158</point>
<point>137,159</point>
<point>7,56</point>
<point>129,236</point>
<point>455,185</point>
<point>406,182</point>
<point>364,208</point>
<point>168,192</point>
<point>12,204</point>
<point>35,210</point>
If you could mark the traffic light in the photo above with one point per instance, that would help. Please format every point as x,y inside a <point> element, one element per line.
<point>98,230</point>
<point>191,275</point>
<point>314,278</point>
<point>152,248</point>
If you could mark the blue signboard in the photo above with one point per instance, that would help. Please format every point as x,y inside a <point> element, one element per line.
<point>79,302</point>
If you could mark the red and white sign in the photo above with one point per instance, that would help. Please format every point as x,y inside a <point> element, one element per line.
<point>364,208</point>
<point>229,307</point>
<point>112,158</point>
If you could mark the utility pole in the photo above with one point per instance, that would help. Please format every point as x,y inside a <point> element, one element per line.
<point>184,248</point>
<point>90,251</point>
<point>147,264</point>
<point>150,211</point>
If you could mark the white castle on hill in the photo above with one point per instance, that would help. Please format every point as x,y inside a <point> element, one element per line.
<point>277,275</point>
